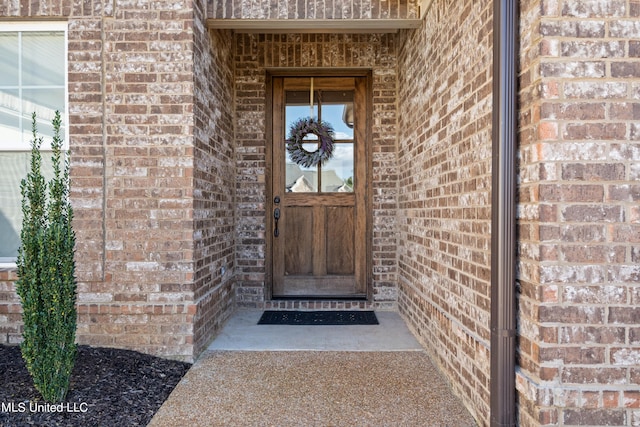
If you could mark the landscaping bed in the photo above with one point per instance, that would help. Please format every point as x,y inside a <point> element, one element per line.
<point>109,387</point>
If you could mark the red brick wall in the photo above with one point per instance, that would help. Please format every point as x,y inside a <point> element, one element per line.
<point>86,135</point>
<point>214,181</point>
<point>579,233</point>
<point>253,54</point>
<point>151,195</point>
<point>10,309</point>
<point>146,299</point>
<point>444,210</point>
<point>579,354</point>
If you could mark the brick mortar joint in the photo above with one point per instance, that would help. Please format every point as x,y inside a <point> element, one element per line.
<point>556,385</point>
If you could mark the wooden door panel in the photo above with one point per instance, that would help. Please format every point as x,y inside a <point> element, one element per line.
<point>297,223</point>
<point>305,199</point>
<point>340,234</point>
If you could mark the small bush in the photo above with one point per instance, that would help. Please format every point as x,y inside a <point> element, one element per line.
<point>46,272</point>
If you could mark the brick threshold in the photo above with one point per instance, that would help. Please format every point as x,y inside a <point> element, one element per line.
<point>318,304</point>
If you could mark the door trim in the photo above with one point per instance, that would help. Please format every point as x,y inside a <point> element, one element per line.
<point>269,205</point>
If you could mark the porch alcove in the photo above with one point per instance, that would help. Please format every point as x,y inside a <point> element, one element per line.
<point>257,55</point>
<point>429,157</point>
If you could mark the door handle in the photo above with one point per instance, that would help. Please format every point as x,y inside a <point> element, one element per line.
<point>276,216</point>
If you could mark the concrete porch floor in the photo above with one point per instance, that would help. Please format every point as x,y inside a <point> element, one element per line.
<point>242,332</point>
<point>267,375</point>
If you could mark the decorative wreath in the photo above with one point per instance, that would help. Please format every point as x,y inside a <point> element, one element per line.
<point>302,128</point>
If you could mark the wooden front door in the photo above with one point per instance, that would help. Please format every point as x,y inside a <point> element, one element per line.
<point>318,214</point>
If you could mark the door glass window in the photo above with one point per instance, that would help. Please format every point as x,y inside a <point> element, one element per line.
<point>337,174</point>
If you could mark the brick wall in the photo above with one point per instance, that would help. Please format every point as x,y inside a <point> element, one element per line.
<point>10,309</point>
<point>579,233</point>
<point>146,187</point>
<point>313,9</point>
<point>253,54</point>
<point>86,115</point>
<point>444,172</point>
<point>146,301</point>
<point>214,181</point>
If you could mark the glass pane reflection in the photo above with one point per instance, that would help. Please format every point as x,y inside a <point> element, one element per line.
<point>300,179</point>
<point>338,116</point>
<point>337,172</point>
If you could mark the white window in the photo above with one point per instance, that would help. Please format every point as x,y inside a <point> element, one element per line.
<point>33,78</point>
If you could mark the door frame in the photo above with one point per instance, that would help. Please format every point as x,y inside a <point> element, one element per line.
<point>269,205</point>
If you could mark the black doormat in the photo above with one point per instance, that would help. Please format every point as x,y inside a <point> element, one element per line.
<point>271,317</point>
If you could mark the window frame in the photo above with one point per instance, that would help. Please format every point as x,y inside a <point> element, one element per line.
<point>29,27</point>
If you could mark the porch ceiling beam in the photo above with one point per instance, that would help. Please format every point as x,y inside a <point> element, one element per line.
<point>314,25</point>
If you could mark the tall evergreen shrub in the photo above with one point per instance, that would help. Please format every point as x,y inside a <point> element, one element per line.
<point>46,271</point>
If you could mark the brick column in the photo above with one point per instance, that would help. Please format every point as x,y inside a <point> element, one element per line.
<point>579,233</point>
<point>146,301</point>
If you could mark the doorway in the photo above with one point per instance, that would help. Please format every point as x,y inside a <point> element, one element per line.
<point>318,219</point>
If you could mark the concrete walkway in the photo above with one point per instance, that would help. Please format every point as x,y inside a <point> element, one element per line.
<point>266,375</point>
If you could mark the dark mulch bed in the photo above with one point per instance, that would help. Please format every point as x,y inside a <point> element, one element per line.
<point>109,387</point>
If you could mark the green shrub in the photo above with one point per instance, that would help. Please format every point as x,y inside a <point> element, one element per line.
<point>46,272</point>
